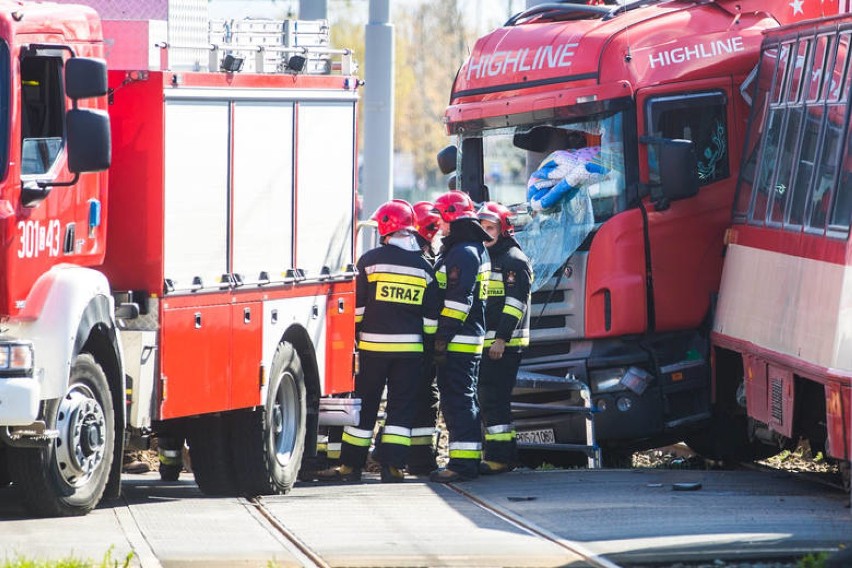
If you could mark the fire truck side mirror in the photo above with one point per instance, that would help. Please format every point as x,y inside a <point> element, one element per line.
<point>447,159</point>
<point>85,77</point>
<point>89,145</point>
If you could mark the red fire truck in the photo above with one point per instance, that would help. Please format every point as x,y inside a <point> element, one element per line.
<point>177,251</point>
<point>781,336</point>
<point>631,265</point>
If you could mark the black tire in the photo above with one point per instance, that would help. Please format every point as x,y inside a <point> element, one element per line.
<point>68,476</point>
<point>212,464</point>
<point>269,442</point>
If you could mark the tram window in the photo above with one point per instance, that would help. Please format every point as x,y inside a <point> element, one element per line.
<point>701,118</point>
<point>764,188</point>
<point>842,212</point>
<point>788,147</point>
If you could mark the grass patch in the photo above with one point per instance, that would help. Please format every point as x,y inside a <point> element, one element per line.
<point>71,562</point>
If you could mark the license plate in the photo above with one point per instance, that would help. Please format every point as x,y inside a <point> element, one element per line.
<point>544,436</point>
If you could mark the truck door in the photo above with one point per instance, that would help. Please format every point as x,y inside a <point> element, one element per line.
<point>685,236</point>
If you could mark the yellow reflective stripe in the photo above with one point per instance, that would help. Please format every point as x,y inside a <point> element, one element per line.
<point>421,440</point>
<point>396,439</point>
<point>359,319</point>
<point>355,441</point>
<point>430,329</point>
<point>391,347</point>
<point>514,342</point>
<point>333,455</point>
<point>466,454</point>
<point>501,437</point>
<point>455,314</point>
<point>512,311</point>
<point>397,279</point>
<point>464,348</point>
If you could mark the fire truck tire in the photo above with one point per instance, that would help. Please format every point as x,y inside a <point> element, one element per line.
<point>67,477</point>
<point>269,441</point>
<point>212,465</point>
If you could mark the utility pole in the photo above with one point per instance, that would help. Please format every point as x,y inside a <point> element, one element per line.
<point>377,181</point>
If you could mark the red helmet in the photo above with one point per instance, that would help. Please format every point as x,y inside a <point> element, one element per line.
<point>454,205</point>
<point>426,219</point>
<point>497,213</point>
<point>395,215</point>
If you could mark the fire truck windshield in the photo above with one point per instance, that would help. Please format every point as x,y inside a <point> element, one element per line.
<point>521,163</point>
<point>560,179</point>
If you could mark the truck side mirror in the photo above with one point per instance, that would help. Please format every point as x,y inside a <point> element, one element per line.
<point>447,159</point>
<point>85,77</point>
<point>89,145</point>
<point>678,169</point>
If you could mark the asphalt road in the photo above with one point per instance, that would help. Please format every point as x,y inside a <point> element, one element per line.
<point>525,518</point>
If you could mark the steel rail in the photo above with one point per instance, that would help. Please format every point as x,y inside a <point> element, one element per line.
<point>517,521</point>
<point>302,552</point>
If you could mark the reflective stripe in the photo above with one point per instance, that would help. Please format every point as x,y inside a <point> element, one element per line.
<point>421,440</point>
<point>466,344</point>
<point>394,439</point>
<point>496,277</point>
<point>391,342</point>
<point>457,306</point>
<point>391,347</point>
<point>465,445</point>
<point>430,326</point>
<point>500,433</point>
<point>514,342</point>
<point>358,432</point>
<point>398,430</point>
<point>397,270</point>
<point>455,314</point>
<point>466,454</point>
<point>333,455</point>
<point>513,311</point>
<point>503,437</point>
<point>390,337</point>
<point>334,446</point>
<point>355,441</point>
<point>359,311</point>
<point>427,431</point>
<point>516,303</point>
<point>359,319</point>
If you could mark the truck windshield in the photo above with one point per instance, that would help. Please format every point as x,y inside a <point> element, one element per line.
<point>560,179</point>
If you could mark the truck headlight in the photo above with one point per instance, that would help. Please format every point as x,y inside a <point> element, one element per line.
<point>16,357</point>
<point>607,380</point>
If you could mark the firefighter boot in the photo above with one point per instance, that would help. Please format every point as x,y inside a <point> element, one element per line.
<point>391,474</point>
<point>339,473</point>
<point>448,476</point>
<point>492,467</point>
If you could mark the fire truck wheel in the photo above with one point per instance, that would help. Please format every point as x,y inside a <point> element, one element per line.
<point>269,442</point>
<point>212,465</point>
<point>67,477</point>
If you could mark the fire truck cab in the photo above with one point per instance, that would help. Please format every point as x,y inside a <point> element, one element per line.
<point>178,249</point>
<point>651,98</point>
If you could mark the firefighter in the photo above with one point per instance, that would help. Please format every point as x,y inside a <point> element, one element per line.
<point>421,457</point>
<point>462,271</point>
<point>396,305</point>
<point>507,333</point>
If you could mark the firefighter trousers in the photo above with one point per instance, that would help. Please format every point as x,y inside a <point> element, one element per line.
<point>496,381</point>
<point>457,387</point>
<point>421,456</point>
<point>403,377</point>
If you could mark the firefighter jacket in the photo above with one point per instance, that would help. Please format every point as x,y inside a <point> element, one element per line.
<point>462,272</point>
<point>507,310</point>
<point>396,301</point>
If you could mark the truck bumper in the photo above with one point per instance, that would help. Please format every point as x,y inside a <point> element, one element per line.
<point>19,400</point>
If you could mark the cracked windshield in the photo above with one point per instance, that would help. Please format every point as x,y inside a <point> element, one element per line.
<point>561,180</point>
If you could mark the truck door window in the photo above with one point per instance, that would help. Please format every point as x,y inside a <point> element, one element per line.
<point>42,113</point>
<point>700,117</point>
